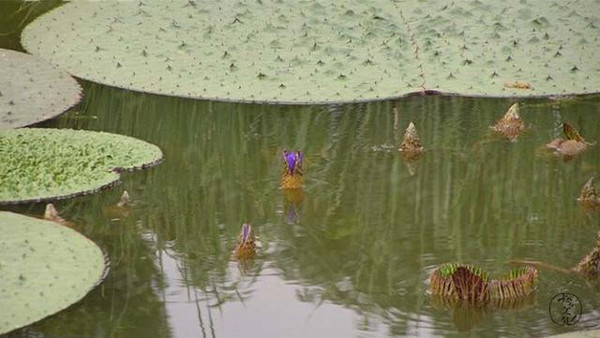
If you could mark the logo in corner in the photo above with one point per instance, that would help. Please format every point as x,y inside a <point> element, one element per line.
<point>565,309</point>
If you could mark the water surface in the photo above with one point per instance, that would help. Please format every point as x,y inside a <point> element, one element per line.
<point>352,255</point>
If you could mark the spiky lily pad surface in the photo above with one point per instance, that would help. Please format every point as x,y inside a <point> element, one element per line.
<point>32,90</point>
<point>325,51</point>
<point>48,164</point>
<point>45,267</point>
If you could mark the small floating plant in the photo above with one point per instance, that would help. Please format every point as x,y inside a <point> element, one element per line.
<point>122,209</point>
<point>570,146</point>
<point>411,147</point>
<point>589,196</point>
<point>510,125</point>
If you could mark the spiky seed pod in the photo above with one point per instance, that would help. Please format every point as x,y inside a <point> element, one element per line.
<point>510,125</point>
<point>51,214</point>
<point>125,200</point>
<point>571,133</point>
<point>589,196</point>
<point>411,146</point>
<point>572,145</point>
<point>589,266</point>
<point>245,246</point>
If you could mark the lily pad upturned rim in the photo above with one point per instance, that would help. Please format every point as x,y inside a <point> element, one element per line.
<point>94,269</point>
<point>116,171</point>
<point>66,87</point>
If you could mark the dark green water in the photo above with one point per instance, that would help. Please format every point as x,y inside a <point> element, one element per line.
<point>353,257</point>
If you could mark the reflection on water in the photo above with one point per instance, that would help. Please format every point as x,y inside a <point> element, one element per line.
<point>348,255</point>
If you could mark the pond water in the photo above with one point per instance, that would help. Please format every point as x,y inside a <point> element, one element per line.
<point>351,256</point>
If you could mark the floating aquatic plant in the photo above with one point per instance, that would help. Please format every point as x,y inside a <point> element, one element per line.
<point>411,147</point>
<point>122,209</point>
<point>517,283</point>
<point>45,267</point>
<point>510,125</point>
<point>32,90</point>
<point>245,246</point>
<point>291,177</point>
<point>49,164</point>
<point>324,51</point>
<point>571,145</point>
<point>52,215</point>
<point>589,196</point>
<point>471,284</point>
<point>589,266</point>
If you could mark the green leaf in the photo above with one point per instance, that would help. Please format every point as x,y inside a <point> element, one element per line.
<point>49,164</point>
<point>389,48</point>
<point>45,267</point>
<point>32,90</point>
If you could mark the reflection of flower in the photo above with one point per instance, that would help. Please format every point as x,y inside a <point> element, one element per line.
<point>291,178</point>
<point>291,204</point>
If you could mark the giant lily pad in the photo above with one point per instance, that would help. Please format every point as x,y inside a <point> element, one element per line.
<point>325,51</point>
<point>32,90</point>
<point>47,164</point>
<point>45,267</point>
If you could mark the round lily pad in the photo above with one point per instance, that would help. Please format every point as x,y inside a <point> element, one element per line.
<point>49,164</point>
<point>32,90</point>
<point>325,51</point>
<point>45,267</point>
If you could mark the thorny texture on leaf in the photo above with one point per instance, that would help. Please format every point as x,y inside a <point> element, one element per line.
<point>326,51</point>
<point>45,268</point>
<point>32,90</point>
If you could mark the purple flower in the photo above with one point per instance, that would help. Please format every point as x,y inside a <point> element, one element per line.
<point>293,161</point>
<point>245,232</point>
